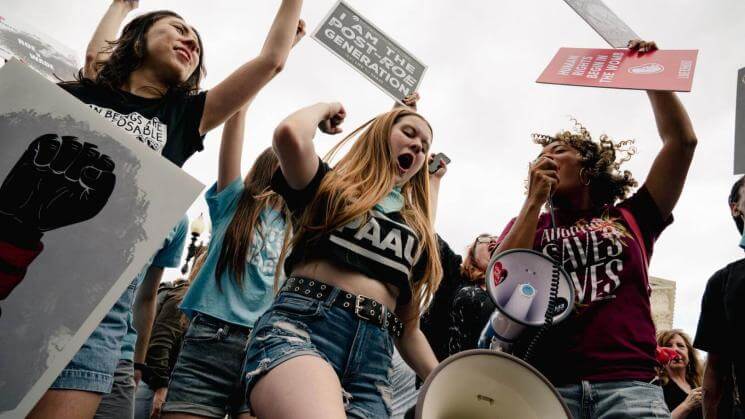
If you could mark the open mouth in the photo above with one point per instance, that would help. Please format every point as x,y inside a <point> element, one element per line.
<point>405,161</point>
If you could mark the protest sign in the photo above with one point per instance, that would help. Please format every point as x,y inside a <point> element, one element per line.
<point>740,124</point>
<point>367,49</point>
<point>606,23</point>
<point>19,40</point>
<point>83,206</point>
<point>670,70</point>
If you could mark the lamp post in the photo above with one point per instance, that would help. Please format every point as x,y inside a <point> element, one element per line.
<point>197,228</point>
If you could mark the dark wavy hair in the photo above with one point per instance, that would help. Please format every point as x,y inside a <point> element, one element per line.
<point>734,198</point>
<point>608,184</point>
<point>128,54</point>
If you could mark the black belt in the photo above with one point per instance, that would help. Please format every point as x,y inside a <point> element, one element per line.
<point>363,307</point>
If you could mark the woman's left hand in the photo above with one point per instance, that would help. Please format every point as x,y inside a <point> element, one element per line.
<point>299,32</point>
<point>642,46</point>
<point>441,170</point>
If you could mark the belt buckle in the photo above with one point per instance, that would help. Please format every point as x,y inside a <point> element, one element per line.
<point>359,311</point>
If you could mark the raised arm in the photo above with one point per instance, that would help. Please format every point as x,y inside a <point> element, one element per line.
<point>231,147</point>
<point>98,47</point>
<point>293,140</point>
<point>434,187</point>
<point>244,83</point>
<point>670,168</point>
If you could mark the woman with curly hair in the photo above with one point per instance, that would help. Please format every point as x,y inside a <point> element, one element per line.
<point>682,377</point>
<point>602,358</point>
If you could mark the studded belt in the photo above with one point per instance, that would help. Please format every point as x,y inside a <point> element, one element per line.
<point>363,307</point>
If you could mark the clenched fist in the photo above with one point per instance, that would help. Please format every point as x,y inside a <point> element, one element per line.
<point>57,182</point>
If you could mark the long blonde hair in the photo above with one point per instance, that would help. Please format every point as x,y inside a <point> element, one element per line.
<point>361,178</point>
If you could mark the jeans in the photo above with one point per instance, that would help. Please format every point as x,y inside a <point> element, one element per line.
<point>358,351</point>
<point>143,401</point>
<point>403,383</point>
<point>93,366</point>
<point>615,400</point>
<point>120,402</point>
<point>207,380</point>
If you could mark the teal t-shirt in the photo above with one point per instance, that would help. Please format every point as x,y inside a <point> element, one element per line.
<point>241,305</point>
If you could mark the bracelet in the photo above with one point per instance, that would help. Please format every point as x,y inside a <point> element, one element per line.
<point>140,366</point>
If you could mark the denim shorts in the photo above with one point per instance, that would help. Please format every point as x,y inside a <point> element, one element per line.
<point>359,351</point>
<point>93,366</point>
<point>207,380</point>
<point>615,399</point>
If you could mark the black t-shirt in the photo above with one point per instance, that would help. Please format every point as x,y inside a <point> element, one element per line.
<point>675,395</point>
<point>721,327</point>
<point>168,125</point>
<point>459,309</point>
<point>383,248</point>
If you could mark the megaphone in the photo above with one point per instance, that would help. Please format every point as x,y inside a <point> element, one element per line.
<point>530,290</point>
<point>482,383</point>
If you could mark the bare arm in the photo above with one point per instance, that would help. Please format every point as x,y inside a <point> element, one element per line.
<point>670,168</point>
<point>293,140</point>
<point>143,311</point>
<point>434,187</point>
<point>413,345</point>
<point>231,147</point>
<point>106,32</point>
<point>717,368</point>
<point>244,83</point>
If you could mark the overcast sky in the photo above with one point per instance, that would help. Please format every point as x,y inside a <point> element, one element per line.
<point>480,95</point>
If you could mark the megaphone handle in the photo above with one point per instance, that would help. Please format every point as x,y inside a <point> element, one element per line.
<point>553,294</point>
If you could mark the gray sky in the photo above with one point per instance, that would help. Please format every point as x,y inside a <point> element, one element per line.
<point>480,96</point>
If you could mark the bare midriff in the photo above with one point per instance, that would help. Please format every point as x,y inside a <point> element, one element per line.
<point>348,280</point>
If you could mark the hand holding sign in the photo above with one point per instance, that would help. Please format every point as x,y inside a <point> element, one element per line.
<point>299,33</point>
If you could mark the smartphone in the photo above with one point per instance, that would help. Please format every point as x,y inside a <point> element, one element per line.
<point>436,162</point>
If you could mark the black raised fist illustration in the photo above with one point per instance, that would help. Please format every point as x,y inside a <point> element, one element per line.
<point>57,182</point>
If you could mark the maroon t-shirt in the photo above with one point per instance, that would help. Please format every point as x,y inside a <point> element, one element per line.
<point>610,336</point>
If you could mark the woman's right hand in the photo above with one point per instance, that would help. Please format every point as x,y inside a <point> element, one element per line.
<point>694,398</point>
<point>128,5</point>
<point>543,177</point>
<point>334,117</point>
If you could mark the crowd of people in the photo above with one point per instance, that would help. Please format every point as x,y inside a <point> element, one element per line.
<point>325,288</point>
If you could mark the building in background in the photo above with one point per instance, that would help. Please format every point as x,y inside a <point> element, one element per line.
<point>663,302</point>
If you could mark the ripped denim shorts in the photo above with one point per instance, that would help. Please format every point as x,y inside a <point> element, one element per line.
<point>359,351</point>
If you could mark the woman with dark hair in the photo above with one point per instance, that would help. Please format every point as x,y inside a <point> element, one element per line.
<point>602,358</point>
<point>682,376</point>
<point>461,306</point>
<point>147,82</point>
<point>234,286</point>
<point>363,256</point>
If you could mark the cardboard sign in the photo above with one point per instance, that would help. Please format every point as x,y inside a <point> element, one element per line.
<point>83,205</point>
<point>368,50</point>
<point>604,21</point>
<point>740,124</point>
<point>51,59</point>
<point>670,70</point>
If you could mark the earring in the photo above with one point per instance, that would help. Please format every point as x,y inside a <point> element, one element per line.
<point>581,177</point>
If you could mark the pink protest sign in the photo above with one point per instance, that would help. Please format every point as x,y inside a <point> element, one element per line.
<point>622,69</point>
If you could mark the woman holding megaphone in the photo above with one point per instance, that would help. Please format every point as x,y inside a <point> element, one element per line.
<point>602,358</point>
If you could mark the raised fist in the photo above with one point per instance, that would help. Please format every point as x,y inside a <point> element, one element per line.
<point>57,182</point>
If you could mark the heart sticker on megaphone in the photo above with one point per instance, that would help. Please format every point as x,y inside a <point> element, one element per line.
<point>651,68</point>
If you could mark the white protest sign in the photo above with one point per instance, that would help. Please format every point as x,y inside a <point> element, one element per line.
<point>42,53</point>
<point>606,23</point>
<point>83,207</point>
<point>368,50</point>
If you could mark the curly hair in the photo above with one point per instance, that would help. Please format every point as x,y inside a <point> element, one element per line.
<point>602,159</point>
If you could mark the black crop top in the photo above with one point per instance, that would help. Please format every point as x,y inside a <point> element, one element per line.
<point>383,248</point>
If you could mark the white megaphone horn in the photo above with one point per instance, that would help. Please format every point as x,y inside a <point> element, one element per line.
<point>486,384</point>
<point>530,290</point>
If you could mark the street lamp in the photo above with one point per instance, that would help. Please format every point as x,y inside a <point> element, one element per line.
<point>197,228</point>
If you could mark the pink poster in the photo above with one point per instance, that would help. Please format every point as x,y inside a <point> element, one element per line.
<point>622,69</point>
